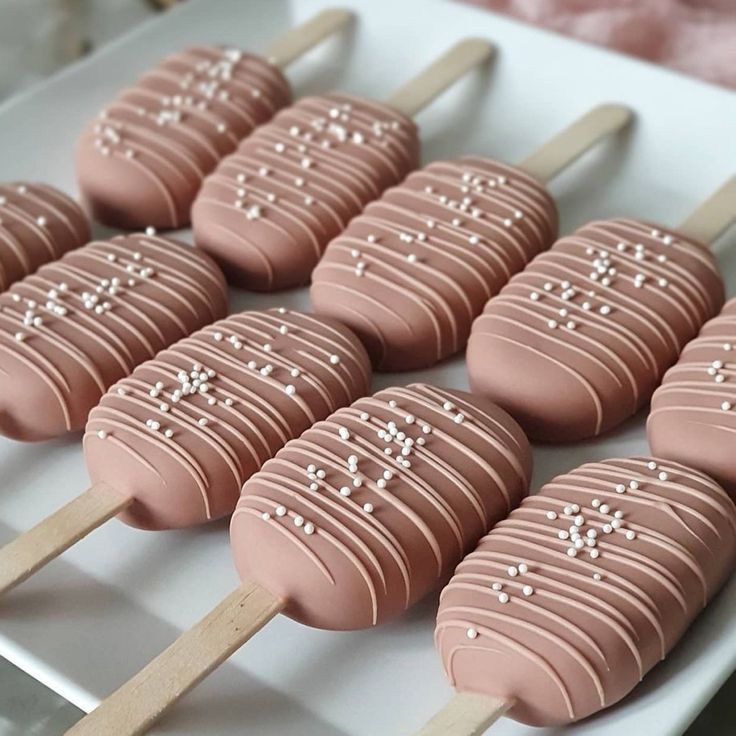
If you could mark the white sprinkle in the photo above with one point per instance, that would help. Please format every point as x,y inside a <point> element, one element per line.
<point>503,598</point>
<point>102,434</point>
<point>551,515</point>
<point>552,324</point>
<point>280,511</point>
<point>471,633</point>
<point>597,576</point>
<point>523,568</point>
<point>620,488</point>
<point>726,406</point>
<point>168,434</point>
<point>309,528</point>
<point>334,359</point>
<point>663,476</point>
<point>150,231</point>
<point>634,485</point>
<point>266,516</point>
<point>298,520</point>
<point>527,590</point>
<point>652,465</point>
<point>203,422</point>
<point>368,508</point>
<point>630,535</point>
<point>345,491</point>
<point>512,571</point>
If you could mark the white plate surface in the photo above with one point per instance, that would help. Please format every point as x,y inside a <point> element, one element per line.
<point>92,619</point>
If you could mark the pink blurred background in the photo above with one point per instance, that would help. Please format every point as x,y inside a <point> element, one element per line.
<point>696,37</point>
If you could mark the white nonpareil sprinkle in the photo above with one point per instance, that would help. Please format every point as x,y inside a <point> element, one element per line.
<point>503,598</point>
<point>280,511</point>
<point>102,434</point>
<point>527,590</point>
<point>471,634</point>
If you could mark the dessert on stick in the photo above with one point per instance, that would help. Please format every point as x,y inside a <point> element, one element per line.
<point>269,209</point>
<point>568,603</point>
<point>77,325</point>
<point>142,160</point>
<point>411,273</point>
<point>693,413</point>
<point>171,445</point>
<point>345,528</point>
<point>578,341</point>
<point>38,224</point>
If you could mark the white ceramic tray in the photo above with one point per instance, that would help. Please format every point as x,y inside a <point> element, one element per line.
<point>93,618</point>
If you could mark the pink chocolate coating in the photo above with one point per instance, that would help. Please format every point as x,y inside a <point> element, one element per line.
<point>372,508</point>
<point>38,224</point>
<point>186,429</point>
<point>693,415</point>
<point>577,342</point>
<point>569,602</point>
<point>143,159</point>
<point>81,323</point>
<point>434,250</point>
<point>269,210</point>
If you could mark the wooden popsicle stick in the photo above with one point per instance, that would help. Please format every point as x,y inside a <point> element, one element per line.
<point>30,551</point>
<point>438,76</point>
<point>299,40</point>
<point>467,714</point>
<point>713,216</point>
<point>140,702</point>
<point>571,143</point>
